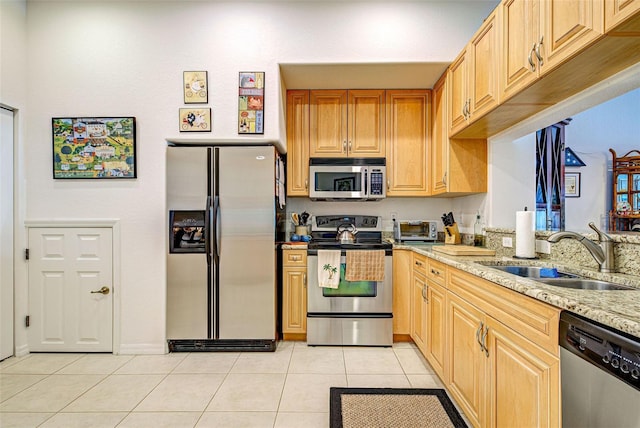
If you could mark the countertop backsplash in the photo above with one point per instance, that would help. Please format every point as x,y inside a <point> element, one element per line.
<point>626,249</point>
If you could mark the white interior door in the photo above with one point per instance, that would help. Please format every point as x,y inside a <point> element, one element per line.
<point>6,233</point>
<point>70,289</point>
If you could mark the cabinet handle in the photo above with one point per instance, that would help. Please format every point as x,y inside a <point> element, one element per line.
<point>532,65</point>
<point>296,258</point>
<point>418,263</point>
<point>444,178</point>
<point>435,272</point>
<point>388,184</point>
<point>468,104</point>
<point>537,51</point>
<point>304,280</point>
<point>306,183</point>
<point>424,292</point>
<point>344,146</point>
<point>484,342</point>
<point>478,334</point>
<point>349,146</point>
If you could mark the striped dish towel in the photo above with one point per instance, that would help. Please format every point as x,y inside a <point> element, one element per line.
<point>364,265</point>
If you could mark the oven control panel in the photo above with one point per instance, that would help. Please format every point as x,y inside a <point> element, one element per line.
<point>602,346</point>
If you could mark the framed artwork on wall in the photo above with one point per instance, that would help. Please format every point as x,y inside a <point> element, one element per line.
<point>94,147</point>
<point>195,120</point>
<point>251,103</point>
<point>571,184</point>
<point>194,87</point>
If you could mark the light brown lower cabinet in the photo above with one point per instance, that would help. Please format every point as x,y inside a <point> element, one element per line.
<point>294,294</point>
<point>494,349</point>
<point>401,295</point>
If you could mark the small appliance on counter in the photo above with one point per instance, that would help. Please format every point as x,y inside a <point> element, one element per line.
<point>415,231</point>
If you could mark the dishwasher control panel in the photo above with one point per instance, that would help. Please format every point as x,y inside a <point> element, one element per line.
<point>611,350</point>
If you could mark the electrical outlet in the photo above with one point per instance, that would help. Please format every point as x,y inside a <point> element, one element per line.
<point>543,247</point>
<point>507,242</point>
<point>394,215</point>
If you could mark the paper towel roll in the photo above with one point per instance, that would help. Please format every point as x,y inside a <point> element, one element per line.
<point>526,234</point>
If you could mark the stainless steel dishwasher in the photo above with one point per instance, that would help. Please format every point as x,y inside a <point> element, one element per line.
<point>600,369</point>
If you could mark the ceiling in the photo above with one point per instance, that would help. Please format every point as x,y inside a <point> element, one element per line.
<point>361,75</point>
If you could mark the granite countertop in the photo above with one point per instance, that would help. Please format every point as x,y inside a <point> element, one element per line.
<point>619,309</point>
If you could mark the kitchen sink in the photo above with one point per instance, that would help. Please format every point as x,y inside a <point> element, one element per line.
<point>532,271</point>
<point>584,284</point>
<point>552,276</point>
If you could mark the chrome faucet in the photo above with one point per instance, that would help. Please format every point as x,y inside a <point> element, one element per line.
<point>601,252</point>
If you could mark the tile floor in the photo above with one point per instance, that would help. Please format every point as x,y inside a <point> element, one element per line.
<point>286,388</point>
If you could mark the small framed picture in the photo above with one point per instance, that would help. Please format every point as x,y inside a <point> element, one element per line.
<point>94,147</point>
<point>251,103</point>
<point>195,120</point>
<point>195,87</point>
<point>571,184</point>
<point>344,184</point>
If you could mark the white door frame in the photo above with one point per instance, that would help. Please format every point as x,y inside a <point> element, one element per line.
<point>8,150</point>
<point>114,224</point>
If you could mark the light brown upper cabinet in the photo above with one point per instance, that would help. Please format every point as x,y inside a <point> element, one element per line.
<point>458,167</point>
<point>622,16</point>
<point>473,76</point>
<point>297,143</point>
<point>408,154</point>
<point>539,35</point>
<point>347,123</point>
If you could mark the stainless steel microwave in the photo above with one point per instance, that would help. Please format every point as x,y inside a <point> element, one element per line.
<point>339,179</point>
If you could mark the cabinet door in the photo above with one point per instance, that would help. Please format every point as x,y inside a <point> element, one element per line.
<point>297,143</point>
<point>436,328</point>
<point>366,123</point>
<point>407,142</point>
<point>458,100</point>
<point>520,31</point>
<point>439,138</point>
<point>524,381</point>
<point>402,292</point>
<point>617,12</point>
<point>568,26</point>
<point>467,361</point>
<point>294,295</point>
<point>484,59</point>
<point>328,123</point>
<point>418,311</point>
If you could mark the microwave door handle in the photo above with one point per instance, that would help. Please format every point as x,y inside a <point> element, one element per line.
<point>366,182</point>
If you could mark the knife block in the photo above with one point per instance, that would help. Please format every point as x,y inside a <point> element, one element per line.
<point>452,234</point>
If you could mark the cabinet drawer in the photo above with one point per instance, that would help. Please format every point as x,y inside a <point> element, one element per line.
<point>419,263</point>
<point>294,257</point>
<point>532,319</point>
<point>436,272</point>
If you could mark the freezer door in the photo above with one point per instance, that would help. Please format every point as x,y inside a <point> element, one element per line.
<point>246,288</point>
<point>188,293</point>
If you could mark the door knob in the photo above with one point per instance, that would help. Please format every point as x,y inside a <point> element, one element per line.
<point>103,290</point>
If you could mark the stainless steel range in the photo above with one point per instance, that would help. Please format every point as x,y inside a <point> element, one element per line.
<point>357,312</point>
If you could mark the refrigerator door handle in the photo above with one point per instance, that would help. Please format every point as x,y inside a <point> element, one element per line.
<point>207,230</point>
<point>216,228</point>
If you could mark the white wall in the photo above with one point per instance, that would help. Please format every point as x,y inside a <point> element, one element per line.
<point>126,58</point>
<point>604,116</point>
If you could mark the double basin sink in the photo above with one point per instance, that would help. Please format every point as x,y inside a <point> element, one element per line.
<point>552,276</point>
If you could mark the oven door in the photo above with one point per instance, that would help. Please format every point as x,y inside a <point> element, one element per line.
<point>363,297</point>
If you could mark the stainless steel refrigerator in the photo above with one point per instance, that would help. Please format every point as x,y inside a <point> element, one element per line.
<point>221,263</point>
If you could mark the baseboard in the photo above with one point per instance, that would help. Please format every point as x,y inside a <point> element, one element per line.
<point>294,337</point>
<point>402,338</point>
<point>21,351</point>
<point>143,349</point>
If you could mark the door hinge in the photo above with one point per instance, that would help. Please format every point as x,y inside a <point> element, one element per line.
<point>26,321</point>
<point>26,254</point>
